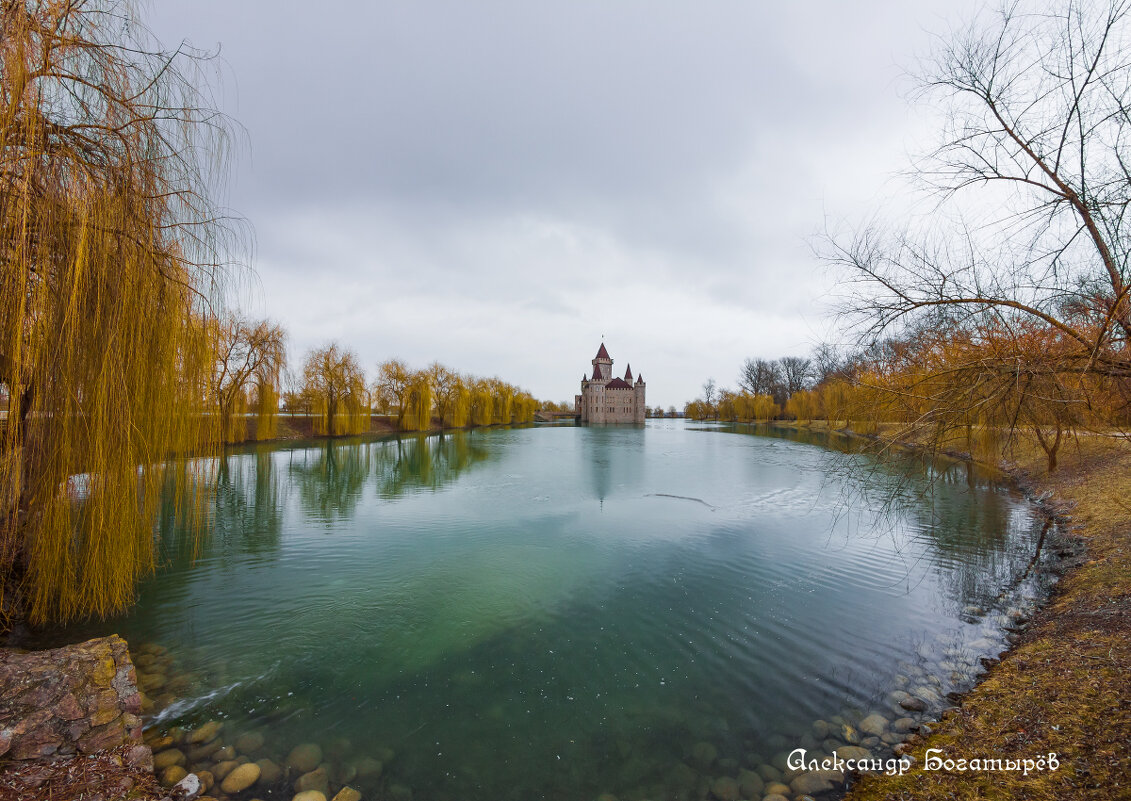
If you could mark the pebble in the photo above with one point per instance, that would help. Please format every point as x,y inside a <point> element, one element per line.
<point>167,758</point>
<point>305,758</point>
<point>309,795</point>
<point>777,788</point>
<point>368,766</point>
<point>704,754</point>
<point>808,783</point>
<point>725,788</point>
<point>206,733</point>
<point>913,704</point>
<point>269,772</point>
<point>222,769</point>
<point>241,778</point>
<point>172,774</point>
<point>874,724</point>
<point>821,729</point>
<point>347,794</point>
<point>314,780</point>
<point>750,783</point>
<point>904,725</point>
<point>249,743</point>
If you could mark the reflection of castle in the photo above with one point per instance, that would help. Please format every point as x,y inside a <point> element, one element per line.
<point>605,399</point>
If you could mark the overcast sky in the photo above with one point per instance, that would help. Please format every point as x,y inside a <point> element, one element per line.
<point>496,185</point>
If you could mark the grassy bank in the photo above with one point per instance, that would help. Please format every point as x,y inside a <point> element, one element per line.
<point>1065,686</point>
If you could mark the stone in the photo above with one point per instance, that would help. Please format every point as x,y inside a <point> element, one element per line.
<point>849,734</point>
<point>314,780</point>
<point>368,766</point>
<point>775,797</point>
<point>347,794</point>
<point>751,784</point>
<point>170,756</point>
<point>206,779</point>
<point>206,733</point>
<point>305,758</point>
<point>241,778</point>
<point>807,783</point>
<point>223,754</point>
<point>769,773</point>
<point>187,788</point>
<point>777,788</point>
<point>913,704</point>
<point>875,724</point>
<point>269,772</point>
<point>249,743</point>
<point>172,774</point>
<point>309,795</point>
<point>202,752</point>
<point>704,754</point>
<point>904,725</point>
<point>853,752</point>
<point>821,729</point>
<point>80,698</point>
<point>222,769</point>
<point>725,789</point>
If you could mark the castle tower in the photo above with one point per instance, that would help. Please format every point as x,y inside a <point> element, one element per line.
<point>602,365</point>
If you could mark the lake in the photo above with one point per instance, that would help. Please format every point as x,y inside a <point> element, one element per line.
<point>561,611</point>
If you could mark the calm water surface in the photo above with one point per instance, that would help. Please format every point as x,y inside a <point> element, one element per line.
<point>556,612</point>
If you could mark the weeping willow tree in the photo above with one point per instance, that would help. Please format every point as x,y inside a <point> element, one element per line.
<point>111,252</point>
<point>267,409</point>
<point>417,413</point>
<point>334,381</point>
<point>250,355</point>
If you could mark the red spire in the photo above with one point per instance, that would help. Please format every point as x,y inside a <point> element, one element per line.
<point>602,353</point>
<point>628,373</point>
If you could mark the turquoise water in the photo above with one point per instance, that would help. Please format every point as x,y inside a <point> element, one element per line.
<point>559,612</point>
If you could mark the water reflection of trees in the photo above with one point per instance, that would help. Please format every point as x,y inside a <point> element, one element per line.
<point>979,537</point>
<point>243,508</point>
<point>331,479</point>
<point>423,463</point>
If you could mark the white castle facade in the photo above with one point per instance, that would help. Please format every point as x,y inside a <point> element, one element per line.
<point>605,399</point>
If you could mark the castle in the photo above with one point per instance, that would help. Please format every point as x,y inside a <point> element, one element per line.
<point>605,399</point>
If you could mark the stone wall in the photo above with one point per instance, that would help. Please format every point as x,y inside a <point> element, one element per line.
<point>78,699</point>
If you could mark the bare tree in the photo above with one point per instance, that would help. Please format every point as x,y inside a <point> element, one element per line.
<point>710,391</point>
<point>796,373</point>
<point>1038,102</point>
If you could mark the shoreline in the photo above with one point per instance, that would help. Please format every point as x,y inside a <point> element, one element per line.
<point>1062,685</point>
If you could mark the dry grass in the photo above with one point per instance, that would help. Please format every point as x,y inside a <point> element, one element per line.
<point>105,775</point>
<point>1065,687</point>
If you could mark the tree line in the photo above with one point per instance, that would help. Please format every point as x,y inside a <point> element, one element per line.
<point>253,386</point>
<point>1006,310</point>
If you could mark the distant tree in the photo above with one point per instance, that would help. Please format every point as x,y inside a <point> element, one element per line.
<point>796,373</point>
<point>250,355</point>
<point>335,383</point>
<point>391,387</point>
<point>445,391</point>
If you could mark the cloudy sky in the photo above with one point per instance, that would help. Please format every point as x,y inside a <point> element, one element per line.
<point>498,184</point>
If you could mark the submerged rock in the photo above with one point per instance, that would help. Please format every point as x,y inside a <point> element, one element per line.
<point>725,788</point>
<point>249,743</point>
<point>269,772</point>
<point>314,780</point>
<point>704,754</point>
<point>874,724</point>
<point>309,795</point>
<point>368,766</point>
<point>751,784</point>
<point>808,783</point>
<point>913,704</point>
<point>241,778</point>
<point>172,774</point>
<point>168,757</point>
<point>206,733</point>
<point>305,758</point>
<point>347,794</point>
